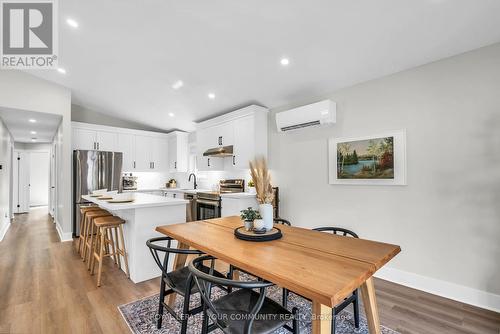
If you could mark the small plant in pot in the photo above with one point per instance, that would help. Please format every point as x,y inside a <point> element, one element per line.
<point>248,216</point>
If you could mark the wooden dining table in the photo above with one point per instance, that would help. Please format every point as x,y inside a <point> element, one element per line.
<point>320,266</point>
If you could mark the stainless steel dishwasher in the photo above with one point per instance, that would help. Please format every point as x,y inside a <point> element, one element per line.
<point>191,212</point>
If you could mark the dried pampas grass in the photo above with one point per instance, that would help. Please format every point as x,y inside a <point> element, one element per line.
<point>262,180</point>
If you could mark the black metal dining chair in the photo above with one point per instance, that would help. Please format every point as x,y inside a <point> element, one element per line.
<point>244,311</point>
<point>282,221</point>
<point>177,281</point>
<point>353,298</point>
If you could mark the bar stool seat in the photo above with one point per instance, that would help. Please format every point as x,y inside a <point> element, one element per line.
<point>104,238</point>
<point>89,240</point>
<point>83,223</point>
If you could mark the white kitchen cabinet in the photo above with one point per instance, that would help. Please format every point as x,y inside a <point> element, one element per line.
<point>223,134</point>
<point>178,152</point>
<point>126,145</point>
<point>159,157</point>
<point>86,139</point>
<point>106,141</point>
<point>143,151</point>
<point>143,156</point>
<point>209,163</point>
<point>244,143</point>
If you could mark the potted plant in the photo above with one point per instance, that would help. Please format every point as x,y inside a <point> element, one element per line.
<point>248,216</point>
<point>264,190</point>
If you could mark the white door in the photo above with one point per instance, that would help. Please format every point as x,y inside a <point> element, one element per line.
<point>244,142</point>
<point>84,139</point>
<point>143,156</point>
<point>39,178</point>
<point>21,182</point>
<point>126,145</point>
<point>106,141</point>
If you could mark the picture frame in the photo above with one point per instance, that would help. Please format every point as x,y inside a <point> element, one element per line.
<point>378,159</point>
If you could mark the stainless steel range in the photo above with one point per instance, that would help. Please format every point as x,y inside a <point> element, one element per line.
<point>208,204</point>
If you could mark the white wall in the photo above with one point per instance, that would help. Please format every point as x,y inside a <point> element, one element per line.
<point>447,220</point>
<point>5,160</point>
<point>19,90</point>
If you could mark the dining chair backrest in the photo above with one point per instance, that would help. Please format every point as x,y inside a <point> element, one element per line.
<point>337,230</point>
<point>205,280</point>
<point>156,250</point>
<point>282,221</point>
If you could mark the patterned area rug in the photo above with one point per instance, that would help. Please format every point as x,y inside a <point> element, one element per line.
<point>140,316</point>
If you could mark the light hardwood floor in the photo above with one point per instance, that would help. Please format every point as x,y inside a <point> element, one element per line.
<point>45,288</point>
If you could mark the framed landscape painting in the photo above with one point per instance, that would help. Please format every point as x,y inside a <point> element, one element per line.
<point>371,160</point>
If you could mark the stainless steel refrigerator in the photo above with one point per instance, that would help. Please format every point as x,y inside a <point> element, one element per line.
<point>93,170</point>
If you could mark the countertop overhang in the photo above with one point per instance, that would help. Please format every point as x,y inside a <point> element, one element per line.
<point>140,201</point>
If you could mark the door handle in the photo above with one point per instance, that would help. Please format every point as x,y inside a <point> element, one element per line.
<point>221,140</point>
<point>134,164</point>
<point>175,165</point>
<point>234,160</point>
<point>98,145</point>
<point>94,146</point>
<point>208,160</point>
<point>153,165</point>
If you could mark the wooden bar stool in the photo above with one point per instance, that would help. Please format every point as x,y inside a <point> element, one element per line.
<point>105,228</point>
<point>90,232</point>
<point>83,223</point>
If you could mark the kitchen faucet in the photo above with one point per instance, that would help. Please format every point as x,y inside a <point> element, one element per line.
<point>189,179</point>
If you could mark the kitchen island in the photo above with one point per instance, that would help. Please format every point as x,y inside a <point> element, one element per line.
<point>142,216</point>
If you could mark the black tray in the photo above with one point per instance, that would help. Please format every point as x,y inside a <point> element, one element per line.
<point>274,234</point>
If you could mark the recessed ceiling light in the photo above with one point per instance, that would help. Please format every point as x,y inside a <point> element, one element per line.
<point>178,84</point>
<point>171,114</point>
<point>61,70</point>
<point>211,96</point>
<point>33,132</point>
<point>285,61</point>
<point>72,23</point>
<point>32,120</point>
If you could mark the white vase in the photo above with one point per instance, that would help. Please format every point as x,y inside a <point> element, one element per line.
<point>258,224</point>
<point>266,211</point>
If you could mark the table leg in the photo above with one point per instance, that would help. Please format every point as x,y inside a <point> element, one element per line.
<point>370,302</point>
<point>322,319</point>
<point>179,262</point>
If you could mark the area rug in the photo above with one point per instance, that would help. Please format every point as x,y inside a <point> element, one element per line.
<point>140,316</point>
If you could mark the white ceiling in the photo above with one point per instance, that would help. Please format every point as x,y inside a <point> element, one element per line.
<point>126,54</point>
<point>17,121</point>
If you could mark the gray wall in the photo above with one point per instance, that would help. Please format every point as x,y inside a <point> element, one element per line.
<point>85,115</point>
<point>447,219</point>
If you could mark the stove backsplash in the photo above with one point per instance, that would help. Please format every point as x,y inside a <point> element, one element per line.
<point>210,180</point>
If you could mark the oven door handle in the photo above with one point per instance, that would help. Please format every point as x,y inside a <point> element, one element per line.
<point>207,202</point>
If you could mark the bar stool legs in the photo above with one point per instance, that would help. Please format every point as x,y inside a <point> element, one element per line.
<point>104,238</point>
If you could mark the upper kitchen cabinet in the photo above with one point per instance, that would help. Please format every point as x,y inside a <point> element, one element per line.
<point>87,139</point>
<point>143,151</point>
<point>126,145</point>
<point>233,139</point>
<point>178,152</point>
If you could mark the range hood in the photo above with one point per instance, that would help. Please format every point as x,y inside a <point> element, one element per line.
<point>224,151</point>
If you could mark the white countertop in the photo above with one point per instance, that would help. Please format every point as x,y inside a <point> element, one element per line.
<point>237,195</point>
<point>170,190</point>
<point>140,201</point>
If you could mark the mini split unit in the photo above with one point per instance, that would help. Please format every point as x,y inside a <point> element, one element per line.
<point>319,113</point>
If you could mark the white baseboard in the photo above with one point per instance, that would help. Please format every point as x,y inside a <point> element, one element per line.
<point>3,231</point>
<point>441,288</point>
<point>63,236</point>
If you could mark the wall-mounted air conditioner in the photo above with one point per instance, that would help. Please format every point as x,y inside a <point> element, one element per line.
<point>319,113</point>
